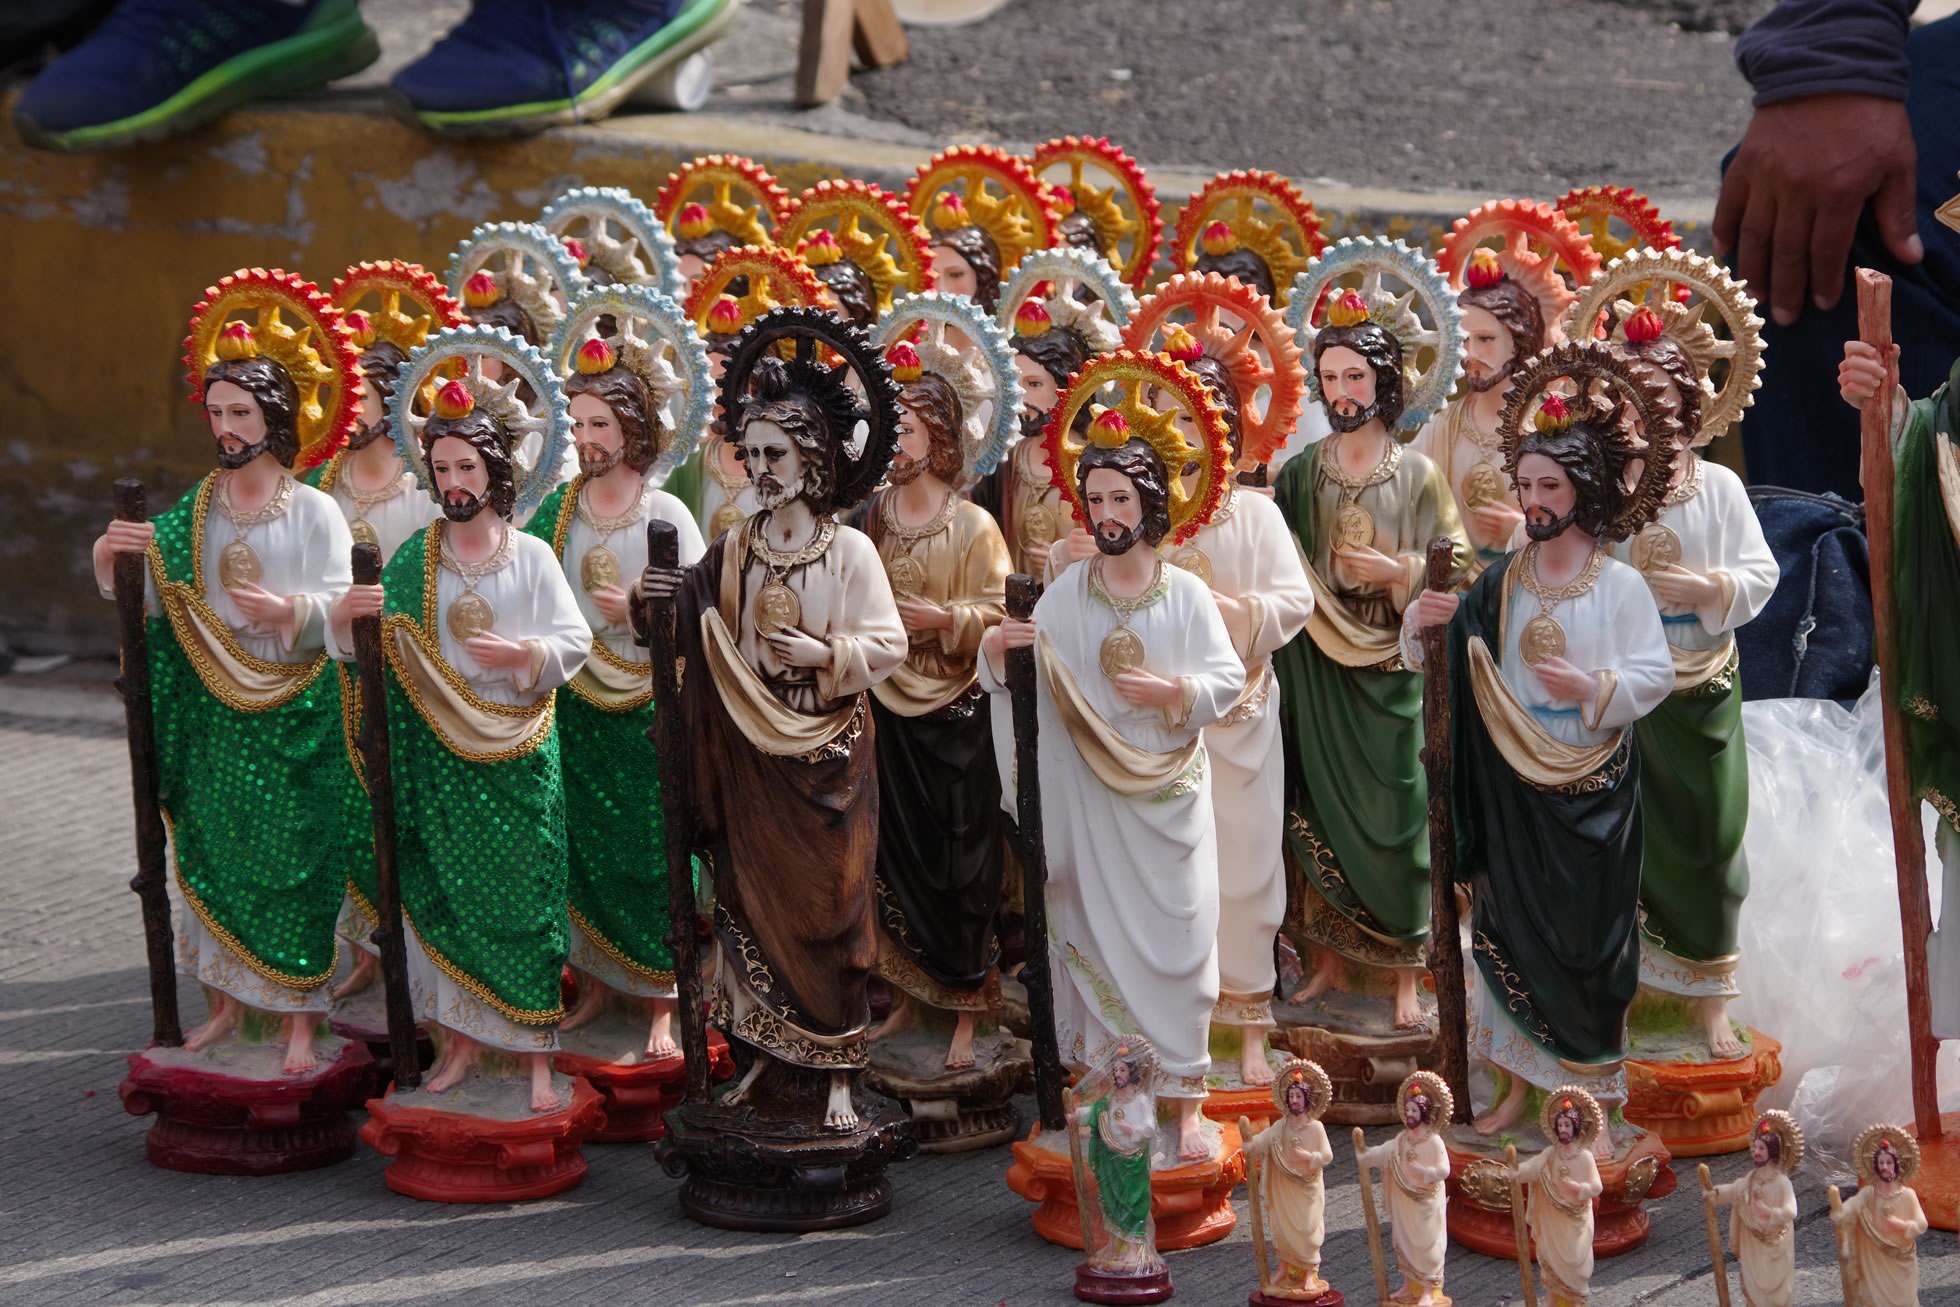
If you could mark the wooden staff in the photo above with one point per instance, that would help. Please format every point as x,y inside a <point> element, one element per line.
<point>1837,1203</point>
<point>140,726</point>
<point>1048,1079</point>
<point>1908,844</point>
<point>1714,1237</point>
<point>1254,1166</point>
<point>664,550</point>
<point>1519,1233</point>
<point>1445,960</point>
<point>377,768</point>
<point>1368,1219</point>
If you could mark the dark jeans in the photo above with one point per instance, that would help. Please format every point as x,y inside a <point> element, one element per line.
<point>1800,434</point>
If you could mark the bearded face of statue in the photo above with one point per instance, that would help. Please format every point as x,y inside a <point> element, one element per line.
<point>1490,350</point>
<point>1298,1100</point>
<point>1347,388</point>
<point>774,462</point>
<point>1546,494</point>
<point>595,431</point>
<point>1115,510</point>
<point>237,424</point>
<point>462,477</point>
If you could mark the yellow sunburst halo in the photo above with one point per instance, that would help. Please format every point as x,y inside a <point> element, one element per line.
<point>985,187</point>
<point>429,305</point>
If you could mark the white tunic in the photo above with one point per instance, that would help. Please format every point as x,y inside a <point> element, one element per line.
<point>1458,458</point>
<point>1133,882</point>
<point>394,519</point>
<point>1720,535</point>
<point>629,545</point>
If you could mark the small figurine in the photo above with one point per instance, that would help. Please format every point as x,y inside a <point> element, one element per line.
<point>1252,225</point>
<point>1878,1229</point>
<point>1763,1212</point>
<point>616,240</point>
<point>716,203</point>
<point>864,245</point>
<point>1285,1190</point>
<point>1135,662</point>
<point>1120,220</point>
<point>1414,1166</point>
<point>1115,1109</point>
<point>987,211</point>
<point>1563,1180</point>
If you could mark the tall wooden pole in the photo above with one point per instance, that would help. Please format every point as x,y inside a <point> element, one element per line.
<point>378,771</point>
<point>1048,1080</point>
<point>1710,1228</point>
<point>663,550</point>
<point>140,727</point>
<point>1519,1234</point>
<point>1368,1221</point>
<point>1445,958</point>
<point>1908,844</point>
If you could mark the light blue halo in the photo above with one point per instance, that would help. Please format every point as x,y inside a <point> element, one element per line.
<point>1066,263</point>
<point>993,351</point>
<point>528,239</point>
<point>1373,257</point>
<point>617,204</point>
<point>670,323</point>
<point>524,362</point>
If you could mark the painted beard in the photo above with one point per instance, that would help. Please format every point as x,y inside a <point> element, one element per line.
<point>1540,525</point>
<point>1117,544</point>
<point>904,470</point>
<point>594,461</point>
<point>772,493</point>
<point>1490,379</point>
<point>460,505</point>
<point>364,435</point>
<point>1033,423</point>
<point>1344,423</point>
<point>232,460</point>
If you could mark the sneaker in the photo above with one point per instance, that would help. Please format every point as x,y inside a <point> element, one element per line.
<point>156,67</point>
<point>519,66</point>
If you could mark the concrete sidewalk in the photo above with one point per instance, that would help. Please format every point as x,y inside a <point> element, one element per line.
<point>86,1222</point>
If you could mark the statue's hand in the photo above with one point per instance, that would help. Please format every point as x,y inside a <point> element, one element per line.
<point>798,648</point>
<point>921,615</point>
<point>1497,523</point>
<point>1016,633</point>
<point>611,602</point>
<point>1862,372</point>
<point>493,650</point>
<point>265,608</point>
<point>656,583</point>
<point>358,601</point>
<point>128,537</point>
<point>1147,689</point>
<point>1436,607</point>
<point>1676,584</point>
<point>1370,565</point>
<point>1081,545</point>
<point>1567,683</point>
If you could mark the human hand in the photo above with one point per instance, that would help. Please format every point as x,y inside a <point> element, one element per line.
<point>922,615</point>
<point>1435,608</point>
<point>798,648</point>
<point>611,602</point>
<point>1143,689</point>
<point>1370,565</point>
<point>1862,372</point>
<point>1684,587</point>
<point>493,650</point>
<point>1791,200</point>
<point>1565,682</point>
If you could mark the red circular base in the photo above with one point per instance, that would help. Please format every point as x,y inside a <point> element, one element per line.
<point>216,1124</point>
<point>1937,1181</point>
<point>638,1095</point>
<point>1092,1285</point>
<point>1332,1298</point>
<point>447,1157</point>
<point>1480,1198</point>
<point>1191,1205</point>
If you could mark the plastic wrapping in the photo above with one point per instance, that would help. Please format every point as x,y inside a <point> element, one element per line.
<point>1822,965</point>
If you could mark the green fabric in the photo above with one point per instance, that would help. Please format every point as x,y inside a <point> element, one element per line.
<point>479,846</point>
<point>1694,797</point>
<point>1354,776</point>
<point>1122,1179</point>
<point>1926,581</point>
<point>256,800</point>
<point>315,474</point>
<point>685,482</point>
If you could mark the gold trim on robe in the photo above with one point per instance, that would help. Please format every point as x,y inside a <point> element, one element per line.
<point>1535,756</point>
<point>1344,637</point>
<point>1128,770</point>
<point>469,726</point>
<point>764,720</point>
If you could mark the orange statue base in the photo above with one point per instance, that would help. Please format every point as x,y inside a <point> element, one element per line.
<point>1938,1180</point>
<point>1226,1106</point>
<point>1700,1109</point>
<point>1480,1193</point>
<point>1192,1204</point>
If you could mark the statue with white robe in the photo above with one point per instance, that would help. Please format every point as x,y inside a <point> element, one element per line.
<point>1763,1212</point>
<point>1414,1166</point>
<point>1561,1182</point>
<point>1878,1227</point>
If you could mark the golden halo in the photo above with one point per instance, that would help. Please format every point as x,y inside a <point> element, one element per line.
<point>1592,1119</point>
<point>776,279</point>
<point>394,281</point>
<point>741,197</point>
<point>1266,213</point>
<point>1301,1071</point>
<point>875,230</point>
<point>1437,1090</point>
<point>1867,1143</point>
<point>1789,1136</point>
<point>1001,194</point>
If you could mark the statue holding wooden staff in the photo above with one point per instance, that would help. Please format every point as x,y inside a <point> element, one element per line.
<point>1414,1166</point>
<point>1878,1229</point>
<point>1762,1213</point>
<point>1563,1180</point>
<point>1285,1192</point>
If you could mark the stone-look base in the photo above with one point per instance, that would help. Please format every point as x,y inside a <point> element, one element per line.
<point>953,1111</point>
<point>1367,1069</point>
<point>1480,1194</point>
<point>1191,1204</point>
<point>216,1124</point>
<point>1701,1109</point>
<point>1226,1106</point>
<point>1092,1285</point>
<point>1937,1181</point>
<point>638,1095</point>
<point>1332,1298</point>
<point>453,1157</point>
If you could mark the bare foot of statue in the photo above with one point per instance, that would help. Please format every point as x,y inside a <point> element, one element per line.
<point>591,998</point>
<point>1408,1006</point>
<point>660,1038</point>
<point>358,979</point>
<point>960,1056</point>
<point>739,1095</point>
<point>1722,1043</point>
<point>459,1056</point>
<point>1191,1143</point>
<point>300,1057</point>
<point>1254,1069</point>
<point>839,1113</point>
<point>903,1015</point>
<point>1327,970</point>
<point>544,1094</point>
<point>1505,1114</point>
<point>223,1023</point>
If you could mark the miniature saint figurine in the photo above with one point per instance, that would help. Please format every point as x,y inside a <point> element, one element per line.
<point>1710,571</point>
<point>1291,1156</point>
<point>1135,663</point>
<point>986,211</point>
<point>1763,1212</point>
<point>1555,652</point>
<point>1878,1227</point>
<point>597,527</point>
<point>783,626</point>
<point>1252,225</point>
<point>479,628</point>
<point>1563,1180</point>
<point>1112,1130</point>
<point>716,203</point>
<point>1364,508</point>
<point>1414,1166</point>
<point>939,848</point>
<point>241,573</point>
<point>864,245</point>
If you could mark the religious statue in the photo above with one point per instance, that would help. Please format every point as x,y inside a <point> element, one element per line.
<point>1252,225</point>
<point>479,627</point>
<point>1878,1228</point>
<point>1563,1179</point>
<point>986,211</point>
<point>1554,654</point>
<point>1414,1166</point>
<point>1763,1212</point>
<point>715,203</point>
<point>518,276</point>
<point>1711,571</point>
<point>1135,662</point>
<point>864,246</point>
<point>622,391</point>
<point>615,239</point>
<point>1120,219</point>
<point>240,575</point>
<point>1247,358</point>
<point>784,625</point>
<point>1112,1135</point>
<point>1285,1164</point>
<point>939,848</point>
<point>1363,508</point>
